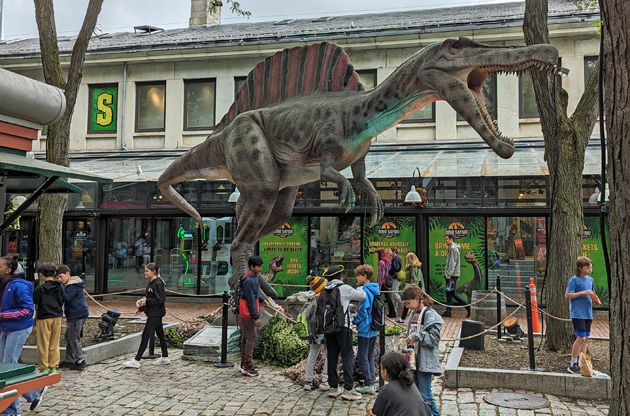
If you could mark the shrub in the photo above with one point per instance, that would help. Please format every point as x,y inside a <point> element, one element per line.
<point>279,345</point>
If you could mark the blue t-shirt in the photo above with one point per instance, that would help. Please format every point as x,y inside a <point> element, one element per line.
<point>582,306</point>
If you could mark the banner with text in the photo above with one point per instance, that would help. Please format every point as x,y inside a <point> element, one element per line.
<point>592,248</point>
<point>389,232</point>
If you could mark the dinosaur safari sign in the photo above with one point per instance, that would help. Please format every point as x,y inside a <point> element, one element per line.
<point>390,232</point>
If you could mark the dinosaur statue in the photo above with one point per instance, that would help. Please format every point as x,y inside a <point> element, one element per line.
<point>275,267</point>
<point>474,284</point>
<point>302,116</point>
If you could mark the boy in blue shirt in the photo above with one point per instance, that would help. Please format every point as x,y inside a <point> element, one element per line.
<point>580,293</point>
<point>366,335</point>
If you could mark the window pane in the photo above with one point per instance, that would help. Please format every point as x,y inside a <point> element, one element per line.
<point>150,111</point>
<point>238,83</point>
<point>590,63</point>
<point>527,98</point>
<point>426,113</point>
<point>368,79</point>
<point>489,92</point>
<point>129,250</point>
<point>199,104</point>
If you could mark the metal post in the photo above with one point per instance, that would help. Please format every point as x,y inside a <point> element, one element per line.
<point>530,330</point>
<point>381,344</point>
<point>498,286</point>
<point>224,339</point>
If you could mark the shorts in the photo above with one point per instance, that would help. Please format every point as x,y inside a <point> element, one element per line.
<point>582,327</point>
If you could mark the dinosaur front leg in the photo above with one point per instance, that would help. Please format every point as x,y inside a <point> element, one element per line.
<point>361,182</point>
<point>281,211</point>
<point>328,173</point>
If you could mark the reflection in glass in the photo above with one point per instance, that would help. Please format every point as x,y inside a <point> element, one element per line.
<point>335,240</point>
<point>151,105</point>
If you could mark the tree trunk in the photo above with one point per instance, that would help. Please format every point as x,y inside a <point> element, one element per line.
<point>565,144</point>
<point>58,139</point>
<point>615,24</point>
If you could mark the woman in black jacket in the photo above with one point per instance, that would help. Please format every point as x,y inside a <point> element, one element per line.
<point>153,306</point>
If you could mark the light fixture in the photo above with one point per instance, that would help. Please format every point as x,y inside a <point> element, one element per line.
<point>221,190</point>
<point>606,194</point>
<point>17,201</point>
<point>594,196</point>
<point>413,197</point>
<point>87,200</point>
<point>235,195</point>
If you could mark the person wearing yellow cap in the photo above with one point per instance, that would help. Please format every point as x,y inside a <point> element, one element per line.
<point>316,341</point>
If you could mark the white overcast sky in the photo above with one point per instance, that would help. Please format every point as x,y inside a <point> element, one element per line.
<point>123,15</point>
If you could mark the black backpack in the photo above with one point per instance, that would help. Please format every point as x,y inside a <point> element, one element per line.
<point>235,297</point>
<point>330,317</point>
<point>378,314</point>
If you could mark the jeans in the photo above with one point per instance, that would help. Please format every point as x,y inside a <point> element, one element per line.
<point>391,308</point>
<point>341,342</point>
<point>366,359</point>
<point>312,359</point>
<point>74,350</point>
<point>423,381</point>
<point>152,327</point>
<point>398,303</point>
<point>11,343</point>
<point>450,295</point>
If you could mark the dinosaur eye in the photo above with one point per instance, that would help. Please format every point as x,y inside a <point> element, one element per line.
<point>456,45</point>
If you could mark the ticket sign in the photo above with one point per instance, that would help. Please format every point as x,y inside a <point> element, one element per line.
<point>592,248</point>
<point>103,108</point>
<point>285,256</point>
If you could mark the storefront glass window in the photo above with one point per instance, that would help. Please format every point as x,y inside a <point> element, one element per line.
<point>389,232</point>
<point>80,250</point>
<point>129,249</point>
<point>517,251</point>
<point>335,240</point>
<point>125,195</point>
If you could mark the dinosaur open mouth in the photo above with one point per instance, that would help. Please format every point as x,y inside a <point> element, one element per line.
<point>278,261</point>
<point>503,145</point>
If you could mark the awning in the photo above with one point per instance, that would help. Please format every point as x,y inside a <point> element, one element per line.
<point>15,163</point>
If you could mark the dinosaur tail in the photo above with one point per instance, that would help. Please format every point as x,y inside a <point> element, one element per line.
<point>204,161</point>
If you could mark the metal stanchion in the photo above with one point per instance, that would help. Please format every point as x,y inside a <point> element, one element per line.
<point>152,355</point>
<point>381,343</point>
<point>499,317</point>
<point>530,330</point>
<point>224,324</point>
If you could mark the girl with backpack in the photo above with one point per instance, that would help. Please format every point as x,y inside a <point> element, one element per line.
<point>423,336</point>
<point>385,281</point>
<point>399,396</point>
<point>414,276</point>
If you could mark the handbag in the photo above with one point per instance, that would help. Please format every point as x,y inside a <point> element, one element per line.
<point>586,365</point>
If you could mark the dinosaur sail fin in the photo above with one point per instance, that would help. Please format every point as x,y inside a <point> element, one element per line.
<point>295,72</point>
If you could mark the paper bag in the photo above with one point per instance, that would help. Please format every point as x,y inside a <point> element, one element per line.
<point>586,365</point>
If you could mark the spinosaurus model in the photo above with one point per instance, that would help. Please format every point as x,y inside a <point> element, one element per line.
<point>302,115</point>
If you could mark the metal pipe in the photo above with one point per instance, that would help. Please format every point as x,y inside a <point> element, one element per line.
<point>498,286</point>
<point>530,330</point>
<point>123,145</point>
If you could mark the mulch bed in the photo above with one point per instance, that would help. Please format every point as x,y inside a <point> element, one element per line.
<point>91,328</point>
<point>515,356</point>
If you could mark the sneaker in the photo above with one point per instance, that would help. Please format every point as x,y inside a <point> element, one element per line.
<point>78,365</point>
<point>366,390</point>
<point>242,370</point>
<point>45,371</point>
<point>446,314</point>
<point>53,370</point>
<point>575,369</point>
<point>37,402</point>
<point>66,364</point>
<point>324,386</point>
<point>335,392</point>
<point>252,372</point>
<point>132,364</point>
<point>308,386</point>
<point>351,395</point>
<point>162,361</point>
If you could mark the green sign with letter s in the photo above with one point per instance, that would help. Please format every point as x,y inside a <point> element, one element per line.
<point>103,109</point>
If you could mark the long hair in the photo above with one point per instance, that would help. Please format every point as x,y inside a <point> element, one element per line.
<point>382,255</point>
<point>154,268</point>
<point>412,260</point>
<point>414,292</point>
<point>397,367</point>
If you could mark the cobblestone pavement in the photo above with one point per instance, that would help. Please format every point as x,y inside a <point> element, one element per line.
<point>190,388</point>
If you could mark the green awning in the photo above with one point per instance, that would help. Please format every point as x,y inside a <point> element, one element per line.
<point>18,184</point>
<point>16,164</point>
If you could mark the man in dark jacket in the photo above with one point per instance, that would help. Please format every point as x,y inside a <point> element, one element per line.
<point>249,314</point>
<point>77,311</point>
<point>16,324</point>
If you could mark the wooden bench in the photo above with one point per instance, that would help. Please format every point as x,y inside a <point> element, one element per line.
<point>17,379</point>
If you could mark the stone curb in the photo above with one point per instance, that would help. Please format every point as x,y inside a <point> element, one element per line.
<point>96,353</point>
<point>559,384</point>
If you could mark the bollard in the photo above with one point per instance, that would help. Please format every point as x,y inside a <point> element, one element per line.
<point>381,343</point>
<point>530,331</point>
<point>224,324</point>
<point>535,313</point>
<point>498,287</point>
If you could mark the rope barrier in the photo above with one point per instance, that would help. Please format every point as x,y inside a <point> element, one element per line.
<point>448,340</point>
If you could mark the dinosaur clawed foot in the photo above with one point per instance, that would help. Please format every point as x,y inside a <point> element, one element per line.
<point>347,198</point>
<point>377,209</point>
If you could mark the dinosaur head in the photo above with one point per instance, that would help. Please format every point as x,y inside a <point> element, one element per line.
<point>456,70</point>
<point>275,265</point>
<point>470,257</point>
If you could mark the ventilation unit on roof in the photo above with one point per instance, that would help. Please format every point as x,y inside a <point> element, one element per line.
<point>146,29</point>
<point>284,22</point>
<point>323,19</point>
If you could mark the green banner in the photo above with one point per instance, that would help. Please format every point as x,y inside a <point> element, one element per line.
<point>469,234</point>
<point>389,232</point>
<point>290,241</point>
<point>592,248</point>
<point>103,108</point>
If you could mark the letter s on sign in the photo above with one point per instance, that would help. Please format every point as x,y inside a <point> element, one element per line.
<point>105,116</point>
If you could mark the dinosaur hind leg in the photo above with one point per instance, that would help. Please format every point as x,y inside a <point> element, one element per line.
<point>281,211</point>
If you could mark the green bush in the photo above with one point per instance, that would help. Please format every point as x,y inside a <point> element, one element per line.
<point>394,330</point>
<point>176,335</point>
<point>279,345</point>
